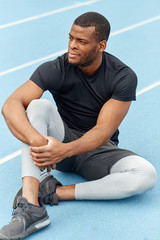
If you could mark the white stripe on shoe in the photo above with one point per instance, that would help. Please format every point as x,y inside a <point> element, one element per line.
<point>42,224</point>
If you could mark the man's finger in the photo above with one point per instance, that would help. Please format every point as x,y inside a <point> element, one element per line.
<point>53,166</point>
<point>40,160</point>
<point>39,155</point>
<point>38,149</point>
<point>42,169</point>
<point>44,164</point>
<point>48,168</point>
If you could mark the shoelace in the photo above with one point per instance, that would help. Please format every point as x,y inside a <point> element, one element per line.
<point>48,198</point>
<point>20,210</point>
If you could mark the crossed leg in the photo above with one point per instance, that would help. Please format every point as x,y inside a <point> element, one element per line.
<point>46,120</point>
<point>129,176</point>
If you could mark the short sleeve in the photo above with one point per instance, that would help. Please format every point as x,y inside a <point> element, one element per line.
<point>48,75</point>
<point>124,85</point>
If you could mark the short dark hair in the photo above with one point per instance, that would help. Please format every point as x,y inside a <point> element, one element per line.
<point>102,26</point>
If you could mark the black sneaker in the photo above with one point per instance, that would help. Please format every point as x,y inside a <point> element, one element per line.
<point>26,220</point>
<point>47,190</point>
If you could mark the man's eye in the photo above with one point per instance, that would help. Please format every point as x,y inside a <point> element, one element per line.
<point>82,42</point>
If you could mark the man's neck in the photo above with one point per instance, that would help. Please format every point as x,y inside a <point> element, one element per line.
<point>92,69</point>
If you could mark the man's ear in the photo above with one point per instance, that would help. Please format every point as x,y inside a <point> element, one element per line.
<point>102,45</point>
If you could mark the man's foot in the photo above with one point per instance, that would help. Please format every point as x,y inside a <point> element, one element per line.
<point>47,190</point>
<point>27,219</point>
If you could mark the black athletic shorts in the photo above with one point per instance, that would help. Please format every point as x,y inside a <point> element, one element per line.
<point>94,164</point>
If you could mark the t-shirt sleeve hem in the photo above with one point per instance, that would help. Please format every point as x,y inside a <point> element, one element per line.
<point>38,83</point>
<point>124,99</point>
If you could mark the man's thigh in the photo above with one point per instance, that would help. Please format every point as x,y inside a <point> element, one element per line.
<point>97,163</point>
<point>68,164</point>
<point>94,164</point>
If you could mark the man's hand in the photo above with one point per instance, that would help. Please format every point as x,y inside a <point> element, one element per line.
<point>50,154</point>
<point>53,166</point>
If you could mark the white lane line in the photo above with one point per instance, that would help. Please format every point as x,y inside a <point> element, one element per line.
<point>46,14</point>
<point>32,62</point>
<point>63,51</point>
<point>146,89</point>
<point>17,153</point>
<point>150,20</point>
<point>9,157</point>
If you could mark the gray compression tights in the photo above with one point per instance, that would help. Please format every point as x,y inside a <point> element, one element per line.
<point>129,176</point>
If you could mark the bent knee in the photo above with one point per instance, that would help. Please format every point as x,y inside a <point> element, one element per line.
<point>38,108</point>
<point>146,179</point>
<point>150,175</point>
<point>38,104</point>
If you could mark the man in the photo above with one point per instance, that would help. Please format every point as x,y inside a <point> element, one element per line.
<point>93,91</point>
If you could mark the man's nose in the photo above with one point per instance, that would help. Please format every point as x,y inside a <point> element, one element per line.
<point>73,44</point>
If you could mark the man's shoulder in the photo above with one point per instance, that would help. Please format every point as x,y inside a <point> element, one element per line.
<point>114,63</point>
<point>123,79</point>
<point>58,62</point>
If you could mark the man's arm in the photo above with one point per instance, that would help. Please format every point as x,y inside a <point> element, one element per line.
<point>14,113</point>
<point>109,119</point>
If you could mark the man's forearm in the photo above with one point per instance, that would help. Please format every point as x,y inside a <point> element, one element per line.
<point>19,125</point>
<point>91,140</point>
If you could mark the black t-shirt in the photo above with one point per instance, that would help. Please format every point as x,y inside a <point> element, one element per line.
<point>79,98</point>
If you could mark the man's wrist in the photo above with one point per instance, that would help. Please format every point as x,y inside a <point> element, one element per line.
<point>72,148</point>
<point>37,141</point>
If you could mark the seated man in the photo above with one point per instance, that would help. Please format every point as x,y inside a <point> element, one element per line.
<point>93,91</point>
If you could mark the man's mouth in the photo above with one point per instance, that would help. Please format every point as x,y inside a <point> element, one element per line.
<point>72,55</point>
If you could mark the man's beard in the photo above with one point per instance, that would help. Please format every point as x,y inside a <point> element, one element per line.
<point>88,60</point>
<point>83,64</point>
